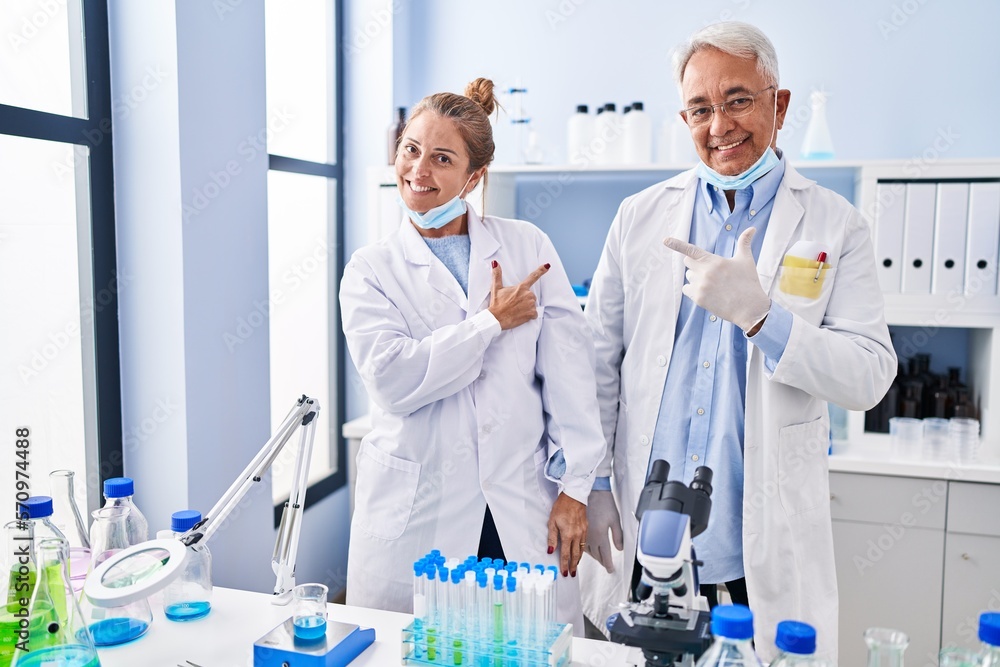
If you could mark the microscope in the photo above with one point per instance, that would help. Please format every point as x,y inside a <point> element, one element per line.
<point>666,617</point>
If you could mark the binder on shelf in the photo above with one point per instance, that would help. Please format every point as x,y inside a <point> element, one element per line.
<point>983,239</point>
<point>918,238</point>
<point>889,236</point>
<point>950,228</point>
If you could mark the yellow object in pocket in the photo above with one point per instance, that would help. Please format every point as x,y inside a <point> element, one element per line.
<point>798,277</point>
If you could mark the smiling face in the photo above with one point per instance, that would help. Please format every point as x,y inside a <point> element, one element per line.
<point>728,145</point>
<point>432,163</point>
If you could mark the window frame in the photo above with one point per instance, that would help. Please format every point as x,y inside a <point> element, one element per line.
<point>106,453</point>
<point>319,490</point>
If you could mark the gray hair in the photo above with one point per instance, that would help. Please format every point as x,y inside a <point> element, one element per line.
<point>735,38</point>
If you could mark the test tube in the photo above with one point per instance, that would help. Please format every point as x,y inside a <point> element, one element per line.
<point>419,609</point>
<point>483,607</point>
<point>469,604</point>
<point>444,609</point>
<point>526,590</point>
<point>430,592</point>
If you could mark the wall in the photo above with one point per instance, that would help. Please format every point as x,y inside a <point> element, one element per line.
<point>899,73</point>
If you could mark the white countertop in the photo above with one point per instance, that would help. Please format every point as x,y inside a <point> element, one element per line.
<point>225,637</point>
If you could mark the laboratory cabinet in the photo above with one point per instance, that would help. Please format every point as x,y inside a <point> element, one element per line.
<point>921,555</point>
<point>935,228</point>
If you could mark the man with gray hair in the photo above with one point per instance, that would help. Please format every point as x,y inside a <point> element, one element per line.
<point>730,304</point>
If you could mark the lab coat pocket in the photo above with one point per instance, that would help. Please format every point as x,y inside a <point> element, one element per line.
<point>799,289</point>
<point>802,466</point>
<point>384,494</point>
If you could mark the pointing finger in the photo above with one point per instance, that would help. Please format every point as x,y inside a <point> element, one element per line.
<point>535,275</point>
<point>685,248</point>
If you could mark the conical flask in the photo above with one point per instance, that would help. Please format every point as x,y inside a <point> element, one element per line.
<point>19,573</point>
<point>817,144</point>
<point>66,517</point>
<point>885,647</point>
<point>113,625</point>
<point>56,633</point>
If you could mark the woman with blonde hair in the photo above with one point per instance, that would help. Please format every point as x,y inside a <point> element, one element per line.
<point>476,356</point>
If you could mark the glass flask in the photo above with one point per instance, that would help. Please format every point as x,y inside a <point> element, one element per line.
<point>732,627</point>
<point>39,509</point>
<point>958,657</point>
<point>189,597</point>
<point>20,573</point>
<point>817,144</point>
<point>119,492</point>
<point>885,647</point>
<point>113,625</point>
<point>57,634</point>
<point>309,612</point>
<point>66,517</point>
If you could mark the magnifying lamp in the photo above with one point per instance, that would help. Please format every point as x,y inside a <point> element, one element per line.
<point>145,568</point>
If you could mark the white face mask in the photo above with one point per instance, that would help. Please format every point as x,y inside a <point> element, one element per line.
<point>439,216</point>
<point>765,163</point>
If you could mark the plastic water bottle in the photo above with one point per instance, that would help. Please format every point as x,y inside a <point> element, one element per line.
<point>119,492</point>
<point>732,627</point>
<point>638,136</point>
<point>796,644</point>
<point>817,144</point>
<point>989,634</point>
<point>579,132</point>
<point>189,597</point>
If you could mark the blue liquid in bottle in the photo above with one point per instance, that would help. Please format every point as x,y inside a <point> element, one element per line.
<point>310,628</point>
<point>113,631</point>
<point>187,611</point>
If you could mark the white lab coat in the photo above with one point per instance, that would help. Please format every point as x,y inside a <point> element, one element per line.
<point>838,350</point>
<point>464,414</point>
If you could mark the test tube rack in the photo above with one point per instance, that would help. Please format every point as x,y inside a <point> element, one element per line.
<point>426,646</point>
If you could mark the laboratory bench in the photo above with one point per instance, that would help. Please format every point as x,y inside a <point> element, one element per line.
<point>238,618</point>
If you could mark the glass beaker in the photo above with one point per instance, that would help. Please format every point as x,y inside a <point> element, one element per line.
<point>57,634</point>
<point>885,647</point>
<point>66,517</point>
<point>113,625</point>
<point>309,611</point>
<point>958,657</point>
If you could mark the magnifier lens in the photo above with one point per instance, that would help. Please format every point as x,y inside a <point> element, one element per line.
<point>139,567</point>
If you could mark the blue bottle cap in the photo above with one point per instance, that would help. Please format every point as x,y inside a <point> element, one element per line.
<point>732,621</point>
<point>554,569</point>
<point>511,585</point>
<point>511,567</point>
<point>443,573</point>
<point>989,628</point>
<point>418,568</point>
<point>498,563</point>
<point>540,568</point>
<point>481,579</point>
<point>498,582</point>
<point>456,575</point>
<point>119,487</point>
<point>796,637</point>
<point>184,520</point>
<point>435,552</point>
<point>38,507</point>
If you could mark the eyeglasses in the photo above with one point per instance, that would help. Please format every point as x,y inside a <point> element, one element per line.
<point>734,108</point>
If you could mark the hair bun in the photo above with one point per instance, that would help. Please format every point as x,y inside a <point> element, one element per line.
<point>480,91</point>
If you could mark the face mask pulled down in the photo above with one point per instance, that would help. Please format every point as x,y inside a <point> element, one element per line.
<point>439,216</point>
<point>765,163</point>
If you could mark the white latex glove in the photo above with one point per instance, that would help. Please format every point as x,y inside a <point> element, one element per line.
<point>602,516</point>
<point>726,287</point>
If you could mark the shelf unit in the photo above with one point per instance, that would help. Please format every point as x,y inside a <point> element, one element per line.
<point>857,180</point>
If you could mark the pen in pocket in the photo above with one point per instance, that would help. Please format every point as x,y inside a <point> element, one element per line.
<point>819,268</point>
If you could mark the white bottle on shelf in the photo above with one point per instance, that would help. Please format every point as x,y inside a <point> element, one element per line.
<point>579,132</point>
<point>638,136</point>
<point>608,144</point>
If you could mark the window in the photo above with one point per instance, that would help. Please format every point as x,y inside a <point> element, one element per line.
<point>60,376</point>
<point>305,234</point>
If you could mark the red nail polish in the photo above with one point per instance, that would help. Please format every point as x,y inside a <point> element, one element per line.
<point>574,573</point>
<point>547,266</point>
<point>565,573</point>
<point>494,264</point>
<point>551,549</point>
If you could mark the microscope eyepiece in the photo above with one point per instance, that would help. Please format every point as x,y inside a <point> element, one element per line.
<point>659,472</point>
<point>702,480</point>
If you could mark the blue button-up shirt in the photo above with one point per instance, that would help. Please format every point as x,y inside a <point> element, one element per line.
<point>701,416</point>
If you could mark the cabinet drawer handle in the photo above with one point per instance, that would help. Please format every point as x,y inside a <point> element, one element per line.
<point>966,556</point>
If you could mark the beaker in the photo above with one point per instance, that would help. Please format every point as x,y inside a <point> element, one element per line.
<point>885,647</point>
<point>57,634</point>
<point>66,517</point>
<point>113,625</point>
<point>309,611</point>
